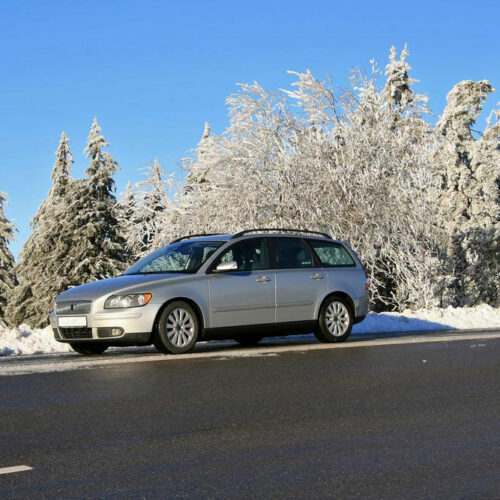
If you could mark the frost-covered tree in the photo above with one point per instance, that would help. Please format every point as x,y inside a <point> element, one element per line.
<point>38,269</point>
<point>7,275</point>
<point>357,165</point>
<point>181,209</point>
<point>197,170</point>
<point>98,248</point>
<point>469,171</point>
<point>127,213</point>
<point>397,89</point>
<point>155,201</point>
<point>146,223</point>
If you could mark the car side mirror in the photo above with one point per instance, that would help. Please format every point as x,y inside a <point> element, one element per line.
<point>224,267</point>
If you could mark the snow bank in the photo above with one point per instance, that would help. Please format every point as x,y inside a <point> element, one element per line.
<point>26,340</point>
<point>465,318</point>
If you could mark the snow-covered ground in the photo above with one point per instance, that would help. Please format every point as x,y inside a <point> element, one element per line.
<point>25,340</point>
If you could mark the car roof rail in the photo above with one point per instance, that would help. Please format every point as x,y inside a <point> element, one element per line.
<point>281,230</point>
<point>189,236</point>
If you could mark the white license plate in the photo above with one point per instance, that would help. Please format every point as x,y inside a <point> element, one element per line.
<point>72,321</point>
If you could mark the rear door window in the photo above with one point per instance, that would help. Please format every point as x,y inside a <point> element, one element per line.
<point>332,254</point>
<point>290,253</point>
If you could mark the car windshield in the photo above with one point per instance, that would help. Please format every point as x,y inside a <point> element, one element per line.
<point>181,257</point>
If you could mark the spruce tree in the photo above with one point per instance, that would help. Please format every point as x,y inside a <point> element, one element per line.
<point>199,167</point>
<point>154,204</point>
<point>397,90</point>
<point>40,279</point>
<point>143,211</point>
<point>199,185</point>
<point>98,249</point>
<point>127,213</point>
<point>7,276</point>
<point>469,171</point>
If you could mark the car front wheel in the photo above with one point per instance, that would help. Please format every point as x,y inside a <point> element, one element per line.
<point>178,329</point>
<point>335,320</point>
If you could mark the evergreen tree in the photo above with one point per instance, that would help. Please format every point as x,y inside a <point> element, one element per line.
<point>144,212</point>
<point>154,204</point>
<point>98,249</point>
<point>127,210</point>
<point>40,279</point>
<point>469,170</point>
<point>397,90</point>
<point>198,169</point>
<point>198,185</point>
<point>7,275</point>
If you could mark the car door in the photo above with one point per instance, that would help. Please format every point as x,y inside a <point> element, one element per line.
<point>299,282</point>
<point>245,296</point>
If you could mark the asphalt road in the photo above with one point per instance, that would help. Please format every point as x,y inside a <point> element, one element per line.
<point>375,421</point>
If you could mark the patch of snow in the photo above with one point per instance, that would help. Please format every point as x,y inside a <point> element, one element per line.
<point>26,341</point>
<point>451,318</point>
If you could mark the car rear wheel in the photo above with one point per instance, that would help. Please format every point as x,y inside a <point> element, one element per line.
<point>335,320</point>
<point>248,340</point>
<point>178,328</point>
<point>88,348</point>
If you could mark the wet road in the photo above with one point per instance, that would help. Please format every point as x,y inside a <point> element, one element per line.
<point>418,420</point>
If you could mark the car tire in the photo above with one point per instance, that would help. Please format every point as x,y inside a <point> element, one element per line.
<point>178,328</point>
<point>88,347</point>
<point>249,340</point>
<point>335,320</point>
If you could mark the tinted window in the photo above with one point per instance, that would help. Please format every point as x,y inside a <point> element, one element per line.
<point>290,253</point>
<point>250,255</point>
<point>332,254</point>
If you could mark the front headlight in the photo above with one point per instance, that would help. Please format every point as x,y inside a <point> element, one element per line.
<point>122,301</point>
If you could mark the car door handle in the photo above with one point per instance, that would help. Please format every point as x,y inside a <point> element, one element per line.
<point>262,279</point>
<point>316,276</point>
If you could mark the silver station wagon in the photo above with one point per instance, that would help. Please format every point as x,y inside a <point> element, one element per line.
<point>245,286</point>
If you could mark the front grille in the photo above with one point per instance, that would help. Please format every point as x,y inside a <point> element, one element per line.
<point>76,333</point>
<point>73,307</point>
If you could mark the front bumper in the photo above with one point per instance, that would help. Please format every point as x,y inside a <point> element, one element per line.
<point>115,327</point>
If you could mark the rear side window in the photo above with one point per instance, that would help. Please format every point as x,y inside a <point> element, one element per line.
<point>249,254</point>
<point>332,254</point>
<point>290,253</point>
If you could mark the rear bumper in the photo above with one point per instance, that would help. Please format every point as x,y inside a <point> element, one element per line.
<point>361,304</point>
<point>129,327</point>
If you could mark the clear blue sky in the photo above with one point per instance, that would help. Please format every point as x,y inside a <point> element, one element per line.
<point>154,71</point>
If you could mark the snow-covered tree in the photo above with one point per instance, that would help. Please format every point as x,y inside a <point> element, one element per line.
<point>197,175</point>
<point>357,165</point>
<point>38,269</point>
<point>469,171</point>
<point>98,249</point>
<point>127,212</point>
<point>397,89</point>
<point>421,205</point>
<point>7,275</point>
<point>144,210</point>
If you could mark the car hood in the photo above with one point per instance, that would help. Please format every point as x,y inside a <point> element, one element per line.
<point>120,284</point>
